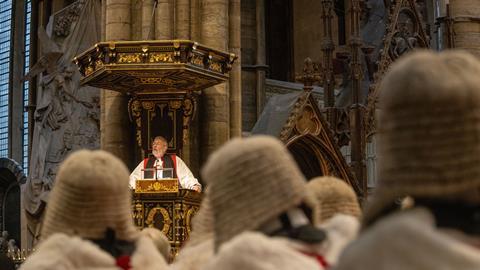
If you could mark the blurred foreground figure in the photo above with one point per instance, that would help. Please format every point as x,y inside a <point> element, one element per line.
<point>198,249</point>
<point>339,217</point>
<point>334,197</point>
<point>160,240</point>
<point>262,210</point>
<point>88,222</point>
<point>429,151</point>
<point>6,263</point>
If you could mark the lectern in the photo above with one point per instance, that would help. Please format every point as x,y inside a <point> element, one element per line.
<point>162,204</point>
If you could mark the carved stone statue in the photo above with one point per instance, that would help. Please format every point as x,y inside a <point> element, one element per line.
<point>405,38</point>
<point>12,246</point>
<point>67,114</point>
<point>4,242</point>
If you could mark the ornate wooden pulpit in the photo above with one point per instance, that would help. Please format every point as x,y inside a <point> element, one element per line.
<point>164,80</point>
<point>163,205</point>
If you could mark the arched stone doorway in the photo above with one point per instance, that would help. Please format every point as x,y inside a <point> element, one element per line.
<point>306,157</point>
<point>296,120</point>
<point>11,177</point>
<point>317,157</point>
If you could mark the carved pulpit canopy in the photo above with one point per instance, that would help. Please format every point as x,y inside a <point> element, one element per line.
<point>163,79</point>
<point>152,66</point>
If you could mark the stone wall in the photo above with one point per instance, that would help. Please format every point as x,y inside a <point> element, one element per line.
<point>249,52</point>
<point>307,32</point>
<point>274,87</point>
<point>466,16</point>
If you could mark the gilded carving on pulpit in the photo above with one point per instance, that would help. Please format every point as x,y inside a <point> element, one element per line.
<point>158,217</point>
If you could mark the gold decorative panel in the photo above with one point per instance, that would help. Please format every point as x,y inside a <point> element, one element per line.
<point>162,115</point>
<point>152,186</point>
<point>170,212</point>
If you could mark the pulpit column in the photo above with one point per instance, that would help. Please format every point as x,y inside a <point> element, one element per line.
<point>164,20</point>
<point>465,15</point>
<point>236,73</point>
<point>215,113</point>
<point>148,27</point>
<point>115,127</point>
<point>182,19</point>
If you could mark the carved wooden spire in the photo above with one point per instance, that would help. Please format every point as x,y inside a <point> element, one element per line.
<point>356,110</point>
<point>310,74</point>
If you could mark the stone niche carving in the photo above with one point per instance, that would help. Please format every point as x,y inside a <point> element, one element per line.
<point>406,35</point>
<point>405,32</point>
<point>62,21</point>
<point>67,114</point>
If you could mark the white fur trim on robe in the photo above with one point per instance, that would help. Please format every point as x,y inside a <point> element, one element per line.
<point>341,230</point>
<point>255,251</point>
<point>408,240</point>
<point>62,252</point>
<point>194,257</point>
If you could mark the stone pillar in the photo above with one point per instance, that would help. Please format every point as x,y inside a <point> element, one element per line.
<point>115,126</point>
<point>443,7</point>
<point>104,20</point>
<point>235,73</point>
<point>215,127</point>
<point>136,19</point>
<point>466,25</point>
<point>261,56</point>
<point>15,121</point>
<point>57,5</point>
<point>195,20</point>
<point>248,61</point>
<point>164,20</point>
<point>148,27</point>
<point>182,19</point>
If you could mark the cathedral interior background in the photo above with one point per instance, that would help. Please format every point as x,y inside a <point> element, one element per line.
<point>304,71</point>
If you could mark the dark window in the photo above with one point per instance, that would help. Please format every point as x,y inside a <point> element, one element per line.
<point>28,16</point>
<point>279,41</point>
<point>5,45</point>
<point>340,11</point>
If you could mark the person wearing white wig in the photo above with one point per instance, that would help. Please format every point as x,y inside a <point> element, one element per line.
<point>88,222</point>
<point>429,131</point>
<point>262,210</point>
<point>339,217</point>
<point>160,240</point>
<point>198,250</point>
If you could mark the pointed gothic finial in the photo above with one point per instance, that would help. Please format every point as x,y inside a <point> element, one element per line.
<point>310,74</point>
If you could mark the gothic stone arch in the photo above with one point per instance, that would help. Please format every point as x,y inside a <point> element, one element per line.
<point>11,177</point>
<point>298,122</point>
